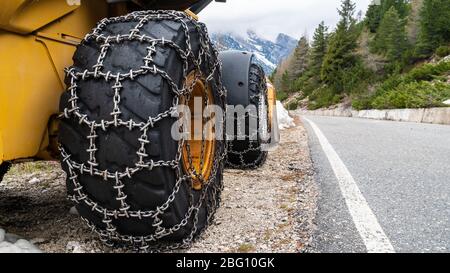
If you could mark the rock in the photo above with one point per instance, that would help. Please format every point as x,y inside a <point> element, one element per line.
<point>447,102</point>
<point>34,180</point>
<point>23,243</point>
<point>37,241</point>
<point>26,246</point>
<point>445,59</point>
<point>73,210</point>
<point>11,238</point>
<point>21,246</point>
<point>6,247</point>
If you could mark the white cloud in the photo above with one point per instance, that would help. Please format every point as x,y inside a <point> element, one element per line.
<point>270,17</point>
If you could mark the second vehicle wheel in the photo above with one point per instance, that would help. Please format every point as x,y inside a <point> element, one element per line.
<point>131,179</point>
<point>248,153</point>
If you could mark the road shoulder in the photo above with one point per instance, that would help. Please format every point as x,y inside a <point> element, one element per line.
<point>335,232</point>
<point>270,209</point>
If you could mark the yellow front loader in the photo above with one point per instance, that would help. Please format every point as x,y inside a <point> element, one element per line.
<point>101,95</point>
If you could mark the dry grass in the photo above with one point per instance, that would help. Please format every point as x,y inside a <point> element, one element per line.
<point>33,167</point>
<point>246,248</point>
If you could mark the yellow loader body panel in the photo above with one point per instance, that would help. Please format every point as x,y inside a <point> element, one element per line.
<point>37,41</point>
<point>26,16</point>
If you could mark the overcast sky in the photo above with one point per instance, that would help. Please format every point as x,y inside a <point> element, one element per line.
<point>270,17</point>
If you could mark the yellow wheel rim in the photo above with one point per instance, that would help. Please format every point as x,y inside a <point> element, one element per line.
<point>198,151</point>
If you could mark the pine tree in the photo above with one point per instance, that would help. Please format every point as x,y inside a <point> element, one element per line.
<point>318,49</point>
<point>376,12</point>
<point>373,17</point>
<point>402,7</point>
<point>273,75</point>
<point>391,39</point>
<point>285,82</point>
<point>434,26</point>
<point>280,71</point>
<point>299,61</point>
<point>347,12</point>
<point>340,56</point>
<point>397,40</point>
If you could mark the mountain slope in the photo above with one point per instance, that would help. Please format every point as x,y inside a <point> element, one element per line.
<point>269,54</point>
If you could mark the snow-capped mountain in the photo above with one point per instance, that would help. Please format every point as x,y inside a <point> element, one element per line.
<point>269,54</point>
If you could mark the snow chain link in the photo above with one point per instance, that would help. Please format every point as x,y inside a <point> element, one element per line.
<point>210,193</point>
<point>260,100</point>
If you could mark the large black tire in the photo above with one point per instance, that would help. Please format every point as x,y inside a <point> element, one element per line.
<point>147,217</point>
<point>4,168</point>
<point>249,154</point>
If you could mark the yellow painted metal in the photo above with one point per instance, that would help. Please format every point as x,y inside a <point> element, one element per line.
<point>37,41</point>
<point>26,16</point>
<point>272,102</point>
<point>198,160</point>
<point>192,14</point>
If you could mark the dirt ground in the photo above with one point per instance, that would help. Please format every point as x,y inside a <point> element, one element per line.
<point>267,210</point>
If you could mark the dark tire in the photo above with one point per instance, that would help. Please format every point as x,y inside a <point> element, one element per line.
<point>4,168</point>
<point>248,154</point>
<point>139,208</point>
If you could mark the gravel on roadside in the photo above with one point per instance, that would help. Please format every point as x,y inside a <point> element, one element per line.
<point>271,209</point>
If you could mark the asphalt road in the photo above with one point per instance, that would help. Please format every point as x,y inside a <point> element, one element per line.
<point>403,172</point>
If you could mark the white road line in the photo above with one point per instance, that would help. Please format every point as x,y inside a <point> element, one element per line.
<point>365,220</point>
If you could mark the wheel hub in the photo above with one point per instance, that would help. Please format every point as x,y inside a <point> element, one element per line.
<point>198,150</point>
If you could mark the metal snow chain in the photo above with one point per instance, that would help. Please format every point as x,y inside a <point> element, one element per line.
<point>109,235</point>
<point>254,145</point>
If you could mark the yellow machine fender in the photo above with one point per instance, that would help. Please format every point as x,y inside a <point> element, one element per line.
<point>24,16</point>
<point>32,69</point>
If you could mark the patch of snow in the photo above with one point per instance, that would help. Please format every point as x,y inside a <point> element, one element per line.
<point>258,47</point>
<point>11,243</point>
<point>264,60</point>
<point>284,120</point>
<point>447,102</point>
<point>270,52</point>
<point>250,41</point>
